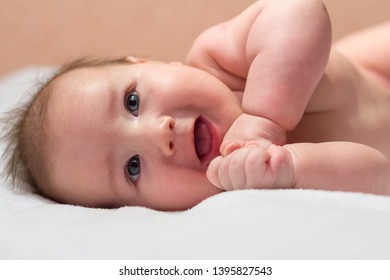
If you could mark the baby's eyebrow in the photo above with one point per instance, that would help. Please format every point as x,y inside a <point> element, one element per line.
<point>109,165</point>
<point>113,98</point>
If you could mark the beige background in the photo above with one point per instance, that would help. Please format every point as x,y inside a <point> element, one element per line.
<point>56,31</point>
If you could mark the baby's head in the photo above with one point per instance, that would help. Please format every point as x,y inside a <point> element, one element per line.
<point>122,132</point>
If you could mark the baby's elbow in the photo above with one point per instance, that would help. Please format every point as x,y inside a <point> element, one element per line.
<point>321,22</point>
<point>319,9</point>
<point>316,6</point>
<point>313,13</point>
<point>319,14</point>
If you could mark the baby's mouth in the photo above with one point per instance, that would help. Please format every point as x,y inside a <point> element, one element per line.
<point>202,139</point>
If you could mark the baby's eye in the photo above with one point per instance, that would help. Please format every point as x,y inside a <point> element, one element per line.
<point>132,103</point>
<point>133,169</point>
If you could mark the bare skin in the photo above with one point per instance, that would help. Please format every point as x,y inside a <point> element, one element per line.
<point>349,107</point>
<point>285,110</point>
<point>345,118</point>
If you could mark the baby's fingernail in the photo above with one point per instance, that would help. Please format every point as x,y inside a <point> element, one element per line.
<point>228,147</point>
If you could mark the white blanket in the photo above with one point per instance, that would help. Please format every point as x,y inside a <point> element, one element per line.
<point>253,224</point>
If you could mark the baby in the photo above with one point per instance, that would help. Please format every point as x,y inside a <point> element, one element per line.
<point>266,104</point>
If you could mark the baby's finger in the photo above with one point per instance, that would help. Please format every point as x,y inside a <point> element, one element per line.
<point>228,173</point>
<point>229,146</point>
<point>255,167</point>
<point>223,173</point>
<point>219,172</point>
<point>236,168</point>
<point>213,172</point>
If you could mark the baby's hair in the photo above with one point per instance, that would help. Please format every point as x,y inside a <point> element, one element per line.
<point>24,130</point>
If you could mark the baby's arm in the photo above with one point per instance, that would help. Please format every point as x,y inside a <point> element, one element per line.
<point>343,166</point>
<point>340,166</point>
<point>287,48</point>
<point>276,49</point>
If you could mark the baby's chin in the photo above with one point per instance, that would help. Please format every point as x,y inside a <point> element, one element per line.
<point>190,201</point>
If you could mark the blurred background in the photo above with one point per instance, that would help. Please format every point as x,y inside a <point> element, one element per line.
<point>51,32</point>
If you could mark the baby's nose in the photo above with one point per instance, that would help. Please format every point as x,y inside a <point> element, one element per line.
<point>163,135</point>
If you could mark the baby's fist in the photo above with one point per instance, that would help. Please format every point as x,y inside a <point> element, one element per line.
<point>253,166</point>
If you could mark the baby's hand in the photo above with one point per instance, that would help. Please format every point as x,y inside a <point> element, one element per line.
<point>247,128</point>
<point>256,165</point>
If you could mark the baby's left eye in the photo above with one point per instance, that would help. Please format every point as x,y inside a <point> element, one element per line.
<point>132,103</point>
<point>133,167</point>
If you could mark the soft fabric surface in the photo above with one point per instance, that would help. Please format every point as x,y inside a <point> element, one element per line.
<point>253,224</point>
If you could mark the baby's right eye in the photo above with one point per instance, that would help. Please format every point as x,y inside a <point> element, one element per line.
<point>133,168</point>
<point>132,103</point>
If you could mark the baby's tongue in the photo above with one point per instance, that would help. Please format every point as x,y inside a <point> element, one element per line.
<point>202,138</point>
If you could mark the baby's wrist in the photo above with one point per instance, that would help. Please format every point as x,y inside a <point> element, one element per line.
<point>270,130</point>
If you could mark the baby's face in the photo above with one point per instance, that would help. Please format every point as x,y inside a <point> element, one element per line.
<point>139,134</point>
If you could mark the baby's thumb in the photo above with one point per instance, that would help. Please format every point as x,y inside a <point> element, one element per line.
<point>229,146</point>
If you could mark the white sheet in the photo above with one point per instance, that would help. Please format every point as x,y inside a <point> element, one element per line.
<point>255,224</point>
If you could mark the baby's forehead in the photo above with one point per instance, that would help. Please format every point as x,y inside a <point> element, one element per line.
<point>76,74</point>
<point>75,79</point>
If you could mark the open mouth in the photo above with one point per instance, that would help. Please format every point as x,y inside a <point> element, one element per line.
<point>203,140</point>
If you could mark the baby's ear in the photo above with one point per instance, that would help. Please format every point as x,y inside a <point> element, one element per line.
<point>133,59</point>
